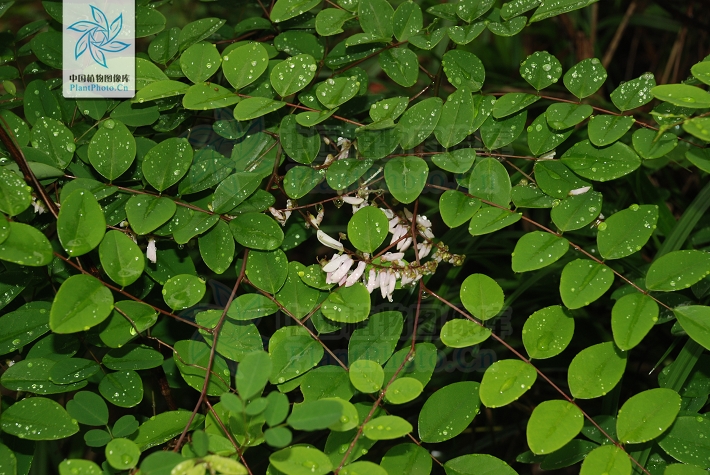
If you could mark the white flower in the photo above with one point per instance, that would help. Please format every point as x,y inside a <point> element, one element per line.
<point>580,191</point>
<point>388,212</point>
<point>384,283</point>
<point>278,215</point>
<point>341,271</point>
<point>38,206</point>
<point>356,274</point>
<point>424,248</point>
<point>329,241</point>
<point>404,244</point>
<point>353,200</point>
<point>548,156</point>
<point>334,263</point>
<point>392,256</point>
<point>372,281</point>
<point>423,221</point>
<point>151,251</point>
<point>315,221</point>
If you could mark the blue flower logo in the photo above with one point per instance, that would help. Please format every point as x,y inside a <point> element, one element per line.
<point>98,36</point>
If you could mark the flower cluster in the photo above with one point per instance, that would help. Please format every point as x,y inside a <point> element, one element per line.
<point>385,271</point>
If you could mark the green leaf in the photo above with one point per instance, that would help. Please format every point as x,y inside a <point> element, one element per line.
<point>511,103</point>
<point>490,182</point>
<point>683,441</point>
<point>286,9</point>
<point>478,464</point>
<point>300,143</point>
<point>552,425</point>
<point>147,213</point>
<point>403,390</point>
<point>135,115</point>
<point>236,339</point>
<point>627,231</point>
<point>699,128</point>
<point>456,119</point>
<point>208,168</point>
<point>191,358</point>
<point>449,411</point>
<point>122,388</point>
<point>47,47</point>
<point>245,64</point>
<point>345,172</point>
<point>299,460</point>
<point>585,77</point>
<point>547,332</point>
<point>634,93</point>
<point>538,249</point>
<point>166,163</point>
<point>508,28</point>
<point>583,281</point>
<point>406,178</point>
<point>191,224</point>
<point>25,325</point>
<point>15,196</point>
<point>254,107</point>
<point>79,467</point>
<point>401,65</point>
<point>32,375</point>
<point>540,69</point>
<point>407,458</point>
<point>555,179</point>
<point>40,102</point>
<point>165,426</point>
<point>200,61</point>
<point>251,306</point>
<point>527,196</point>
<point>418,122</point>
<point>490,219</point>
<point>256,231</point>
<point>647,415</point>
<point>469,10</point>
<point>164,46</point>
<point>135,357</point>
<point>632,317</point>
<point>292,352</point>
<point>198,31</point>
<point>183,291</point>
<point>81,303</point>
<point>577,211</point>
<point>148,21</point>
<point>160,90</point>
<point>208,96</point>
<point>368,228</point>
<point>367,376</point>
<point>293,74</point>
<point>606,129</point>
<point>456,208</point>
<point>695,320</point>
<point>558,7</point>
<point>505,381</point>
<point>513,9</point>
<point>253,374</point>
<point>53,138</point>
<point>464,70</point>
<point>117,331</point>
<point>596,370</point>
<point>348,304</point>
<point>38,418</point>
<point>649,144</point>
<point>234,189</point>
<point>267,270</point>
<point>122,454</point>
<point>330,21</point>
<point>121,258</point>
<point>499,133</point>
<point>678,270</point>
<point>377,338</point>
<point>299,181</point>
<point>315,415</point>
<point>386,428</point>
<point>607,458</point>
<point>563,116</point>
<point>81,224</point>
<point>326,381</point>
<point>682,95</point>
<point>388,109</point>
<point>482,296</point>
<point>25,245</point>
<point>407,21</point>
<point>542,138</point>
<point>462,333</point>
<point>701,71</point>
<point>88,408</point>
<point>72,370</point>
<point>465,34</point>
<point>376,17</point>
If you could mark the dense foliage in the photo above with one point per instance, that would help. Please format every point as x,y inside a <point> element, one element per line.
<point>368,233</point>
